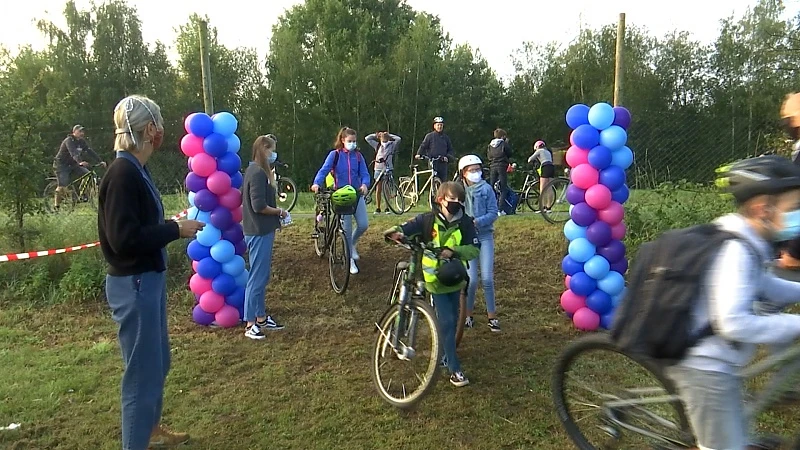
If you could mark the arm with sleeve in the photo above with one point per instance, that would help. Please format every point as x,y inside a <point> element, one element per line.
<point>258,191</point>
<point>486,220</point>
<point>412,227</point>
<point>363,173</point>
<point>425,146</point>
<point>319,179</point>
<point>92,153</point>
<point>73,150</point>
<point>372,140</point>
<point>391,148</point>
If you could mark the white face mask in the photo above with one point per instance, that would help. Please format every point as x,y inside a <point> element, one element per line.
<point>474,177</point>
<point>350,146</point>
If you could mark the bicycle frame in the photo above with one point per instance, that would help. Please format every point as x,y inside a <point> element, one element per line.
<point>410,287</point>
<point>333,220</point>
<point>428,183</point>
<point>381,178</point>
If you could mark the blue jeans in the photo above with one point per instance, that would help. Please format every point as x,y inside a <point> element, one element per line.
<point>447,311</point>
<point>361,223</point>
<point>260,250</point>
<point>139,305</point>
<point>486,262</point>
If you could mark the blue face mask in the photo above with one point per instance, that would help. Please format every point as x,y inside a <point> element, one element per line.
<point>350,146</point>
<point>791,226</point>
<point>273,157</point>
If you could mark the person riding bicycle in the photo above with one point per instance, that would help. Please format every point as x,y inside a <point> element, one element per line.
<point>767,193</point>
<point>70,162</point>
<point>542,158</point>
<point>385,145</point>
<point>499,153</point>
<point>345,166</point>
<point>437,144</point>
<point>449,228</point>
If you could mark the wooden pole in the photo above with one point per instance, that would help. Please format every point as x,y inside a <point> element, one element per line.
<point>205,64</point>
<point>619,67</point>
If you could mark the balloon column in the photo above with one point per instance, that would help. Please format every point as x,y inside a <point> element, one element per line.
<point>218,251</point>
<point>596,263</point>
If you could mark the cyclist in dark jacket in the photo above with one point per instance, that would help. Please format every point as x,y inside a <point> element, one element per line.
<point>499,153</point>
<point>436,143</point>
<point>70,162</point>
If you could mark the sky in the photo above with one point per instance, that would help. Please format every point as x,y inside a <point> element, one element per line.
<point>496,28</point>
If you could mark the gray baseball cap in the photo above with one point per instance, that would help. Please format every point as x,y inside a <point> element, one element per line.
<point>77,128</point>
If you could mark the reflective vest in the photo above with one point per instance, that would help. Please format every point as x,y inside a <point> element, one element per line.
<point>430,263</point>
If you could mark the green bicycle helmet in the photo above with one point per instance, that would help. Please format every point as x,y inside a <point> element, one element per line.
<point>451,272</point>
<point>344,196</point>
<point>763,175</point>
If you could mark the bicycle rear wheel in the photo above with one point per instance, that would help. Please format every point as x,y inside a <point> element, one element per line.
<point>67,203</point>
<point>287,193</point>
<point>435,184</point>
<point>395,201</point>
<point>553,202</point>
<point>319,236</point>
<point>339,262</point>
<point>407,196</point>
<point>640,409</point>
<point>532,196</point>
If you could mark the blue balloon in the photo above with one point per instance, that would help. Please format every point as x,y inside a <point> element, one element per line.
<point>597,267</point>
<point>229,163</point>
<point>234,267</point>
<point>586,137</point>
<point>613,137</point>
<point>612,177</point>
<point>234,143</point>
<point>208,268</point>
<point>237,180</point>
<point>236,299</point>
<point>601,116</point>
<point>581,250</point>
<point>621,195</point>
<point>197,251</point>
<point>607,320</point>
<point>223,251</point>
<point>223,284</point>
<point>599,302</point>
<point>574,231</point>
<point>209,235</point>
<point>224,123</point>
<point>612,284</point>
<point>600,157</point>
<point>582,284</point>
<point>241,313</point>
<point>622,158</point>
<point>201,125</point>
<point>241,280</point>
<point>618,298</point>
<point>215,145</point>
<point>570,266</point>
<point>577,115</point>
<point>190,197</point>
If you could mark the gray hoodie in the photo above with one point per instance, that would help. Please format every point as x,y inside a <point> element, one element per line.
<point>499,152</point>
<point>385,150</point>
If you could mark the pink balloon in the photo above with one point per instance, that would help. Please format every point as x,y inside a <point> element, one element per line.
<point>566,279</point>
<point>584,176</point>
<point>194,265</point>
<point>186,122</point>
<point>586,319</point>
<point>577,156</point>
<point>231,199</point>
<point>211,302</point>
<point>597,196</point>
<point>227,316</point>
<point>618,231</point>
<point>220,182</point>
<point>199,285</point>
<point>572,302</point>
<point>191,145</point>
<point>237,215</point>
<point>612,214</point>
<point>571,142</point>
<point>204,164</point>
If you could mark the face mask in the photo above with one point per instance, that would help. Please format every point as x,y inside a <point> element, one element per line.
<point>350,146</point>
<point>453,208</point>
<point>791,227</point>
<point>474,177</point>
<point>273,157</point>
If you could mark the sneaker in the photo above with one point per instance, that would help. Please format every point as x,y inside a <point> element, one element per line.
<point>388,212</point>
<point>162,437</point>
<point>353,267</point>
<point>354,254</point>
<point>254,332</point>
<point>269,324</point>
<point>443,362</point>
<point>458,379</point>
<point>494,325</point>
<point>377,211</point>
<point>469,322</point>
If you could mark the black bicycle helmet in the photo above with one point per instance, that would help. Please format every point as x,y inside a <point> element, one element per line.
<point>451,272</point>
<point>764,175</point>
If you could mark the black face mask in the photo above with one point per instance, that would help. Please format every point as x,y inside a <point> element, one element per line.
<point>453,207</point>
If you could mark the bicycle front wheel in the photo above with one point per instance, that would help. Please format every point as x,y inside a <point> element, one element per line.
<point>405,372</point>
<point>287,193</point>
<point>339,262</point>
<point>532,196</point>
<point>436,183</point>
<point>407,196</point>
<point>395,201</point>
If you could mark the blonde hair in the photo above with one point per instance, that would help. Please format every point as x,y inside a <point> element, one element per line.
<point>131,117</point>
<point>262,149</point>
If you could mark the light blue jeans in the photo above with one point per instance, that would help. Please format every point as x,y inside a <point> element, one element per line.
<point>486,262</point>
<point>259,249</point>
<point>362,222</point>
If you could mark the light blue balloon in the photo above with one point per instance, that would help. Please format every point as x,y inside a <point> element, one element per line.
<point>234,267</point>
<point>191,198</point>
<point>191,213</point>
<point>613,137</point>
<point>581,250</point>
<point>574,231</point>
<point>195,214</point>
<point>612,284</point>
<point>223,251</point>
<point>241,279</point>
<point>209,235</point>
<point>622,158</point>
<point>224,123</point>
<point>234,143</point>
<point>597,267</point>
<point>601,116</point>
<point>618,298</point>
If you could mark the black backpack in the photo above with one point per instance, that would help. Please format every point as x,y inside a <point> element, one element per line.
<point>654,318</point>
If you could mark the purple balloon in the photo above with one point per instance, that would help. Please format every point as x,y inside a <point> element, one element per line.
<point>613,251</point>
<point>570,266</point>
<point>620,195</point>
<point>241,248</point>
<point>598,233</point>
<point>586,136</point>
<point>221,218</point>
<point>575,195</point>
<point>612,177</point>
<point>202,317</point>
<point>237,180</point>
<point>620,266</point>
<point>205,200</point>
<point>234,234</point>
<point>229,163</point>
<point>622,117</point>
<point>582,214</point>
<point>215,145</point>
<point>195,182</point>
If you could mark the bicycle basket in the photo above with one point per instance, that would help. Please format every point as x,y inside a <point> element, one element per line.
<point>345,210</point>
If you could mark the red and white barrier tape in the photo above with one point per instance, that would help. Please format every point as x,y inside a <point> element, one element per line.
<point>37,254</point>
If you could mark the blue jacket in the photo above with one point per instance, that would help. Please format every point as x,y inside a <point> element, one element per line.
<point>350,169</point>
<point>482,205</point>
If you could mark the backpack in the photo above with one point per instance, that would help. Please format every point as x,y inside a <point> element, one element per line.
<point>654,318</point>
<point>330,179</point>
<point>511,202</point>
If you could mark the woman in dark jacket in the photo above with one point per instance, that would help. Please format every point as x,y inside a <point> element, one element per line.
<point>133,238</point>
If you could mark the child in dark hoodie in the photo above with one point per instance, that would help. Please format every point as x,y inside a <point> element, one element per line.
<point>499,153</point>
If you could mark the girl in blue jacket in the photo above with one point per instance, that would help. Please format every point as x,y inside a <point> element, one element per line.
<point>346,164</point>
<point>482,205</point>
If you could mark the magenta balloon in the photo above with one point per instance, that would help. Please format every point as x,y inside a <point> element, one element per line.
<point>199,285</point>
<point>577,156</point>
<point>586,319</point>
<point>204,164</point>
<point>191,145</point>
<point>584,176</point>
<point>572,302</point>
<point>231,199</point>
<point>622,117</point>
<point>617,231</point>
<point>211,302</point>
<point>612,214</point>
<point>219,182</point>
<point>227,317</point>
<point>597,196</point>
<point>582,214</point>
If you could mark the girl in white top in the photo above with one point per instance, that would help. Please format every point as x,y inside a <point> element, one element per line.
<point>544,156</point>
<point>385,145</point>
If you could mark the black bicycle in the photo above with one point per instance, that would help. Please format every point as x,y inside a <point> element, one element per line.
<point>389,190</point>
<point>329,238</point>
<point>83,189</point>
<point>287,189</point>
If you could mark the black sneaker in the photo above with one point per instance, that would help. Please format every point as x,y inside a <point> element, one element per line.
<point>458,379</point>
<point>377,211</point>
<point>494,325</point>
<point>254,332</point>
<point>269,324</point>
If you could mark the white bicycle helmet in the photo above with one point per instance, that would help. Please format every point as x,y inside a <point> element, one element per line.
<point>467,161</point>
<point>438,119</point>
